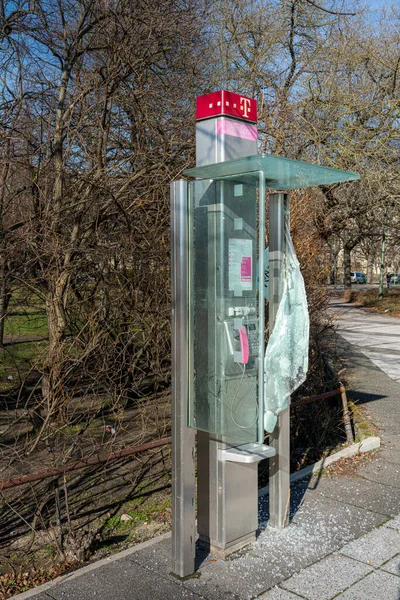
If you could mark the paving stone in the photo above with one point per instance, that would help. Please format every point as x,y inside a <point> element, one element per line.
<point>318,530</point>
<point>376,337</point>
<point>383,472</point>
<point>121,580</point>
<point>279,594</point>
<point>326,578</point>
<point>241,578</point>
<point>376,586</point>
<point>371,387</point>
<point>158,557</point>
<point>376,547</point>
<point>360,492</point>
<point>394,523</point>
<point>298,491</point>
<point>390,455</point>
<point>392,566</point>
<point>320,527</point>
<point>336,521</point>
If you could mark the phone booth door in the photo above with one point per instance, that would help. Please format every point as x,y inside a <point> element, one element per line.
<point>225,312</point>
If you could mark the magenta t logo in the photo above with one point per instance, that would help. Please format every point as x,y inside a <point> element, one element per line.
<point>245,105</point>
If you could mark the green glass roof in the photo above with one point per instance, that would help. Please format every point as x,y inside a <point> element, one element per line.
<point>280,173</point>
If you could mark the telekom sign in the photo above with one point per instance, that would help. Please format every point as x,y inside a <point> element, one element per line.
<point>227,104</point>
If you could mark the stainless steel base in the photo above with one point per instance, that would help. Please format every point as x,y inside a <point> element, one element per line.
<point>224,551</point>
<point>228,505</point>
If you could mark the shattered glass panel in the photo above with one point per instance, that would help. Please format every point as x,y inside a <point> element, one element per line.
<point>286,356</point>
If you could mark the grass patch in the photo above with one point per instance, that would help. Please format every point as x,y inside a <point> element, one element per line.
<point>26,316</point>
<point>16,360</point>
<point>22,297</point>
<point>363,428</point>
<point>26,324</point>
<point>144,514</point>
<point>389,305</point>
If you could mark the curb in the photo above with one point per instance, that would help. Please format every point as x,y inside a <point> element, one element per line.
<point>90,567</point>
<point>367,445</point>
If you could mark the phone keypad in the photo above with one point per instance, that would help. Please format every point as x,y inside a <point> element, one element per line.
<point>252,334</point>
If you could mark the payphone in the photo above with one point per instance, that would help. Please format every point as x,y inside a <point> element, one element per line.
<point>218,350</point>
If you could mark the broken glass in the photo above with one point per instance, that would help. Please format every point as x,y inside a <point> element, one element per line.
<point>286,356</point>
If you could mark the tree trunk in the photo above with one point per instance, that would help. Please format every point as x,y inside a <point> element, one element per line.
<point>335,253</point>
<point>5,296</point>
<point>58,148</point>
<point>56,317</point>
<point>370,270</point>
<point>382,264</point>
<point>4,287</point>
<point>57,325</point>
<point>346,267</point>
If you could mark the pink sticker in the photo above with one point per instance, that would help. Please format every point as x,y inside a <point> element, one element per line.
<point>245,269</point>
<point>236,129</point>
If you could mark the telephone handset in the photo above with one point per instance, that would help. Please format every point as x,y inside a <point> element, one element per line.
<point>244,344</point>
<point>242,340</point>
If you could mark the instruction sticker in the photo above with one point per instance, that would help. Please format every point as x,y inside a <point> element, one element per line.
<point>240,264</point>
<point>266,274</point>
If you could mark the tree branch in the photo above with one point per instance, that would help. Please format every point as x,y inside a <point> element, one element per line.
<point>331,12</point>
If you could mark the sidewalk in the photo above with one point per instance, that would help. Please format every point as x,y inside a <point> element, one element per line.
<point>343,540</point>
<point>375,335</point>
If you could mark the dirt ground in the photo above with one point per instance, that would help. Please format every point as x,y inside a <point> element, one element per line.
<point>48,527</point>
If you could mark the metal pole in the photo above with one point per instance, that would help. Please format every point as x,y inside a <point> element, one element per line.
<point>383,250</point>
<point>261,308</point>
<point>183,438</point>
<point>279,478</point>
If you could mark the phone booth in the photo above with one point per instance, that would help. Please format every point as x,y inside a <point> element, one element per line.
<point>228,290</point>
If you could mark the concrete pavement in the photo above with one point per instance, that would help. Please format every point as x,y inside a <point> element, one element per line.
<point>377,336</point>
<point>343,540</point>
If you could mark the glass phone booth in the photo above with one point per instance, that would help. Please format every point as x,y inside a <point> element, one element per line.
<point>218,348</point>
<point>227,311</point>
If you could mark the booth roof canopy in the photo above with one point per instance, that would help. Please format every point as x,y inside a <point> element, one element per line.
<point>280,173</point>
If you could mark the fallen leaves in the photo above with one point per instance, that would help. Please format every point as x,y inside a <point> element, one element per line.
<point>11,584</point>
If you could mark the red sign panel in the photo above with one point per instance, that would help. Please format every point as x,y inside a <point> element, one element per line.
<point>226,103</point>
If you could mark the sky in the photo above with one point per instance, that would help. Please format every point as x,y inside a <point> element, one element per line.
<point>376,4</point>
